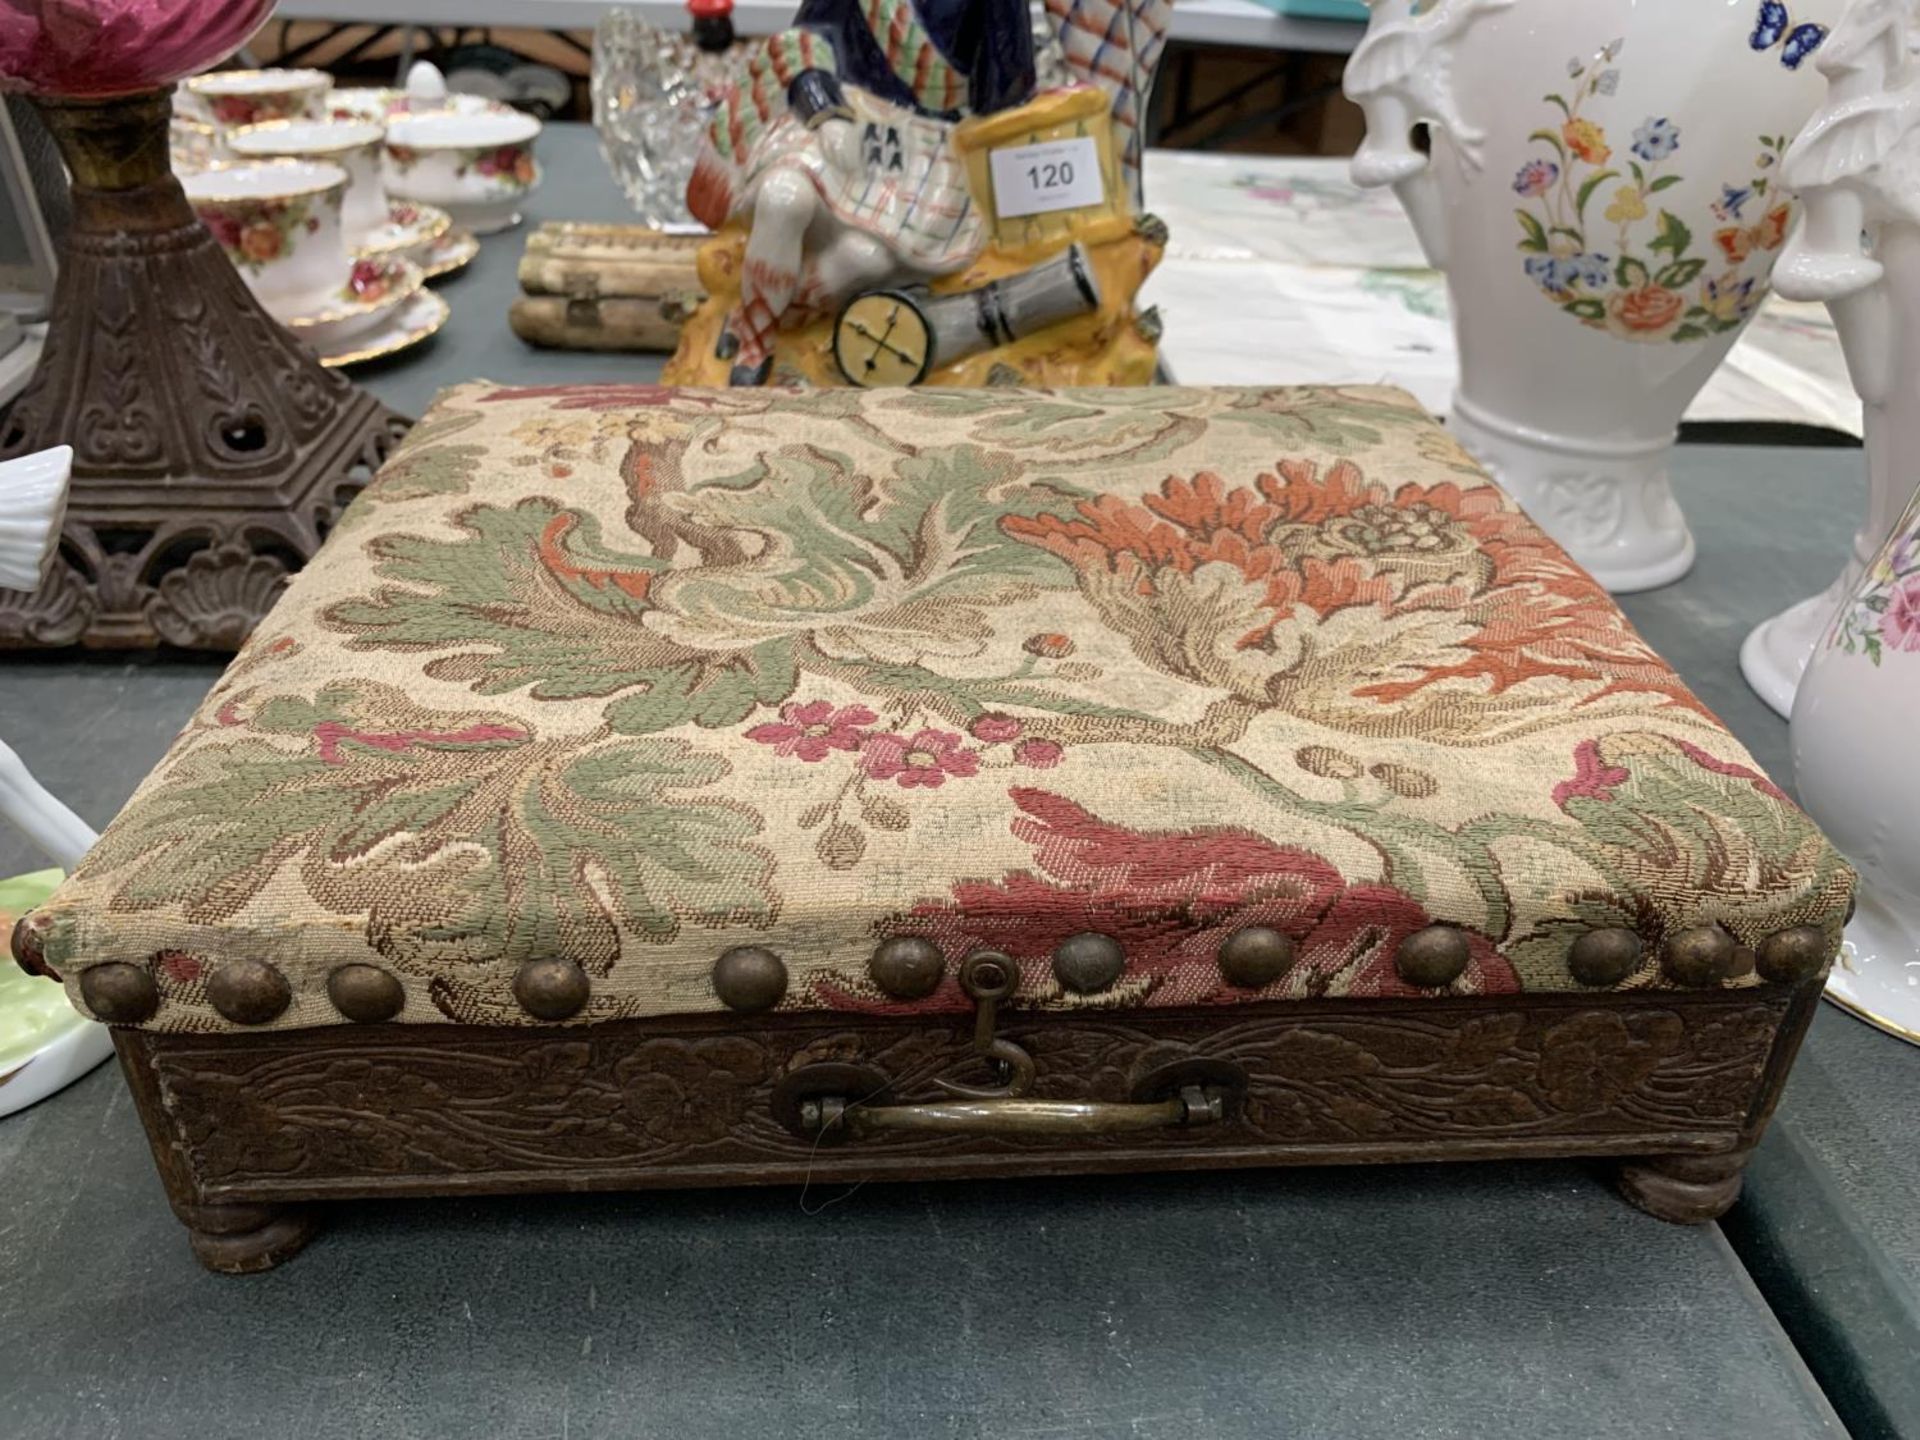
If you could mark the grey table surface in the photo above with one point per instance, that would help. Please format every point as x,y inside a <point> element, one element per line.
<point>1482,1301</point>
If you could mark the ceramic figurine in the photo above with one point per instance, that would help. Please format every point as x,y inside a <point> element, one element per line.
<point>1603,191</point>
<point>1856,169</point>
<point>895,153</point>
<point>43,1044</point>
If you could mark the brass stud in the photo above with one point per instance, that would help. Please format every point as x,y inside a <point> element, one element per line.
<point>1088,962</point>
<point>749,978</point>
<point>248,992</point>
<point>1699,955</point>
<point>907,967</point>
<point>29,939</point>
<point>550,989</point>
<point>118,993</point>
<point>365,994</point>
<point>1788,956</point>
<point>1432,957</point>
<point>1255,957</point>
<point>1604,957</point>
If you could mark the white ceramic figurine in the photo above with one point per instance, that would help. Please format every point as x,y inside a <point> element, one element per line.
<point>44,1042</point>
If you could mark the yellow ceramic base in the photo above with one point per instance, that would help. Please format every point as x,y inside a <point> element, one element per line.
<point>1107,347</point>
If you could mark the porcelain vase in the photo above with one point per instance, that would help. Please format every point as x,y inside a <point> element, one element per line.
<point>1856,170</point>
<point>1602,188</point>
<point>1854,763</point>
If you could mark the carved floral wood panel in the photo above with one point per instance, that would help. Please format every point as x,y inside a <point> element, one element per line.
<point>383,1106</point>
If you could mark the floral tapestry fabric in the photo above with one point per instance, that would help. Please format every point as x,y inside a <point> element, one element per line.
<point>632,675</point>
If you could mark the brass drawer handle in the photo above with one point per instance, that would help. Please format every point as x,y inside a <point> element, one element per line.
<point>961,1115</point>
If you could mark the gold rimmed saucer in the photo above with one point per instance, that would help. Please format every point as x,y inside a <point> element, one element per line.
<point>414,231</point>
<point>416,321</point>
<point>375,290</point>
<point>453,253</point>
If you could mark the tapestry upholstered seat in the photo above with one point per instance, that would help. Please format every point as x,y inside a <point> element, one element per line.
<point>624,711</point>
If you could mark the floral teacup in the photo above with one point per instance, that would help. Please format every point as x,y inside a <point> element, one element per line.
<point>353,145</point>
<point>247,97</point>
<point>477,167</point>
<point>279,223</point>
<point>194,145</point>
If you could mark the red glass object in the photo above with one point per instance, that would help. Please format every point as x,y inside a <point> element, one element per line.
<point>93,49</point>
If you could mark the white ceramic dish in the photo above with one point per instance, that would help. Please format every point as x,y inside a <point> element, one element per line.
<point>373,291</point>
<point>451,254</point>
<point>383,104</point>
<point>354,145</point>
<point>415,322</point>
<point>232,98</point>
<point>279,222</point>
<point>412,231</point>
<point>478,168</point>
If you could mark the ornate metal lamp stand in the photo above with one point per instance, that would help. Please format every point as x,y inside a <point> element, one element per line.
<point>211,451</point>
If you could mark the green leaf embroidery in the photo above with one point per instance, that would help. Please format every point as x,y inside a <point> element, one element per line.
<point>1680,272</point>
<point>1665,182</point>
<point>1536,237</point>
<point>1588,309</point>
<point>1592,183</point>
<point>1551,139</point>
<point>513,846</point>
<point>1673,236</point>
<point>1630,273</point>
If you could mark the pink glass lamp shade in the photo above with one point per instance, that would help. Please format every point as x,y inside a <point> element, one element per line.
<point>92,49</point>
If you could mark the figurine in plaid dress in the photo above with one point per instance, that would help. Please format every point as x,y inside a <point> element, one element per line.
<point>835,141</point>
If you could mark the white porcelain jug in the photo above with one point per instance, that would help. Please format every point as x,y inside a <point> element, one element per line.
<point>1856,169</point>
<point>1603,192</point>
<point>1858,772</point>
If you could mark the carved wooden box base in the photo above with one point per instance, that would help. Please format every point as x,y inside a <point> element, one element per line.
<point>249,1130</point>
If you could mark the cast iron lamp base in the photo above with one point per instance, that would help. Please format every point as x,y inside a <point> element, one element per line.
<point>211,450</point>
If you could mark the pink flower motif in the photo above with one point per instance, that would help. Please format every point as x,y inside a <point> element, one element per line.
<point>815,728</point>
<point>925,759</point>
<point>1900,624</point>
<point>1593,778</point>
<point>1039,754</point>
<point>991,729</point>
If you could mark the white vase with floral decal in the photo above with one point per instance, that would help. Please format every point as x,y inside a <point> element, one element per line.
<point>1602,189</point>
<point>1854,722</point>
<point>1856,170</point>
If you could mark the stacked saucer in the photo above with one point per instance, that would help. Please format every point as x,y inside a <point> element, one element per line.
<point>281,222</point>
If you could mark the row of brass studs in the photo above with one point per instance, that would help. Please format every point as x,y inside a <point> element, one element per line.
<point>750,978</point>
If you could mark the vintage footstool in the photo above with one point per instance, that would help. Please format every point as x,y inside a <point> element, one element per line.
<point>651,787</point>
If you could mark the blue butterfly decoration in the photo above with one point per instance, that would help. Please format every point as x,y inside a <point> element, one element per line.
<point>1775,27</point>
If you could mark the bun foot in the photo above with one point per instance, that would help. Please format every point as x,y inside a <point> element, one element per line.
<point>246,1239</point>
<point>1684,1189</point>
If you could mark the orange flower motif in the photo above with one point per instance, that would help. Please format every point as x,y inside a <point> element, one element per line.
<point>1737,242</point>
<point>261,240</point>
<point>1312,545</point>
<point>1587,140</point>
<point>1649,310</point>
